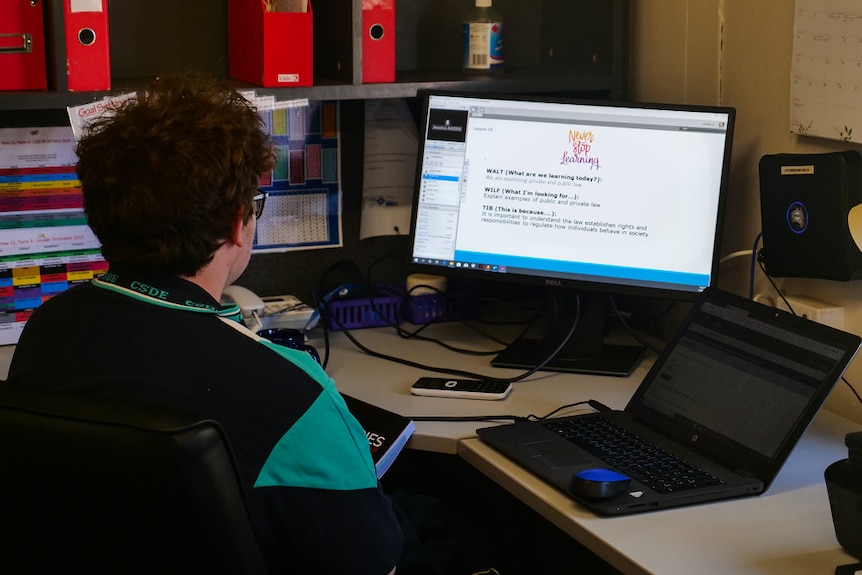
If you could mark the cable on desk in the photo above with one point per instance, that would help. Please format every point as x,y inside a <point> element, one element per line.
<point>755,257</point>
<point>790,307</point>
<point>450,371</point>
<point>852,389</point>
<point>598,406</point>
<point>362,284</point>
<point>451,418</point>
<point>321,306</point>
<point>417,333</point>
<point>629,329</point>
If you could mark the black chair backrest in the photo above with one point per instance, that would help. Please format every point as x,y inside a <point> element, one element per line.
<point>91,485</point>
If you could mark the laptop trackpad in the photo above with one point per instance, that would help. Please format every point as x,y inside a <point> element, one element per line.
<point>553,454</point>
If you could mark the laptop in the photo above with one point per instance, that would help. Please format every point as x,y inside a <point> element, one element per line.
<point>730,395</point>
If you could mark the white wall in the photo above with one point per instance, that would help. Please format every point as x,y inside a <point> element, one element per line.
<point>738,53</point>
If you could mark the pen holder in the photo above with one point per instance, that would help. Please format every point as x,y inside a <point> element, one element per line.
<point>270,49</point>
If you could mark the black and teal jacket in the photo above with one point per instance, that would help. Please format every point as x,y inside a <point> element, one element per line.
<point>304,460</point>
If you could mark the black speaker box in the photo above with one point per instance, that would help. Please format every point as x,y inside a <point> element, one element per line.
<point>844,486</point>
<point>804,202</point>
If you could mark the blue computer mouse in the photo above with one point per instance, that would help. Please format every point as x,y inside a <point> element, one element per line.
<point>598,483</point>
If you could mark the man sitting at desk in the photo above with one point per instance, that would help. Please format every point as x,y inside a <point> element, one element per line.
<point>170,190</point>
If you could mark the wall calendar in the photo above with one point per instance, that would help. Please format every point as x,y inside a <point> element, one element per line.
<point>826,70</point>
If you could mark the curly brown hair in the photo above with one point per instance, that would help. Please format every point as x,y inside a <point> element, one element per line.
<point>165,177</point>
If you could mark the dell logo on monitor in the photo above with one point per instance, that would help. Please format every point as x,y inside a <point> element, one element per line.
<point>553,282</point>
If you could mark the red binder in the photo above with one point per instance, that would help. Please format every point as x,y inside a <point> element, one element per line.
<point>88,56</point>
<point>22,46</point>
<point>378,41</point>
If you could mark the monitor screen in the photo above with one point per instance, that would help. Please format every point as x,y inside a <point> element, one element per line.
<point>601,197</point>
<point>46,245</point>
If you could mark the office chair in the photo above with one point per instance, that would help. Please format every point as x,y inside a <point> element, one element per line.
<point>90,485</point>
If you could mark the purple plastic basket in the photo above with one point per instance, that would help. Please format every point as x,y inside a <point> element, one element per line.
<point>459,302</point>
<point>392,305</point>
<point>365,312</point>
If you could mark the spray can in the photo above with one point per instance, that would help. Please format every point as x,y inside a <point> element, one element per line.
<point>483,39</point>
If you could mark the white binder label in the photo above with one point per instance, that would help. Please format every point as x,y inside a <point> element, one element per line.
<point>85,6</point>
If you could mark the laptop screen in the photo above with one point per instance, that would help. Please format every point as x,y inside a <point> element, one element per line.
<point>743,380</point>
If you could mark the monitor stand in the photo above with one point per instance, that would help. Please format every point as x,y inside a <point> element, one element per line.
<point>585,352</point>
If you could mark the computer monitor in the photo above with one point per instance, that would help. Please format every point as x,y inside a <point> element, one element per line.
<point>588,198</point>
<point>46,245</point>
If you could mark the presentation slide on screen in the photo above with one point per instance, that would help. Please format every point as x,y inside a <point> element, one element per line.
<point>613,196</point>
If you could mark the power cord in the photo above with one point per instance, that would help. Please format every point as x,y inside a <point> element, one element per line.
<point>756,257</point>
<point>323,308</point>
<point>760,261</point>
<point>631,330</point>
<point>417,333</point>
<point>852,389</point>
<point>456,372</point>
<point>596,405</point>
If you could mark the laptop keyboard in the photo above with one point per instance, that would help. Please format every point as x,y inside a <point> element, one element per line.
<point>632,455</point>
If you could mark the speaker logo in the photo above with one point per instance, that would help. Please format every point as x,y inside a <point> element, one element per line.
<point>797,217</point>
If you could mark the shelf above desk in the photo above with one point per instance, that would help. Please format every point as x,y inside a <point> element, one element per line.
<point>406,86</point>
<point>543,52</point>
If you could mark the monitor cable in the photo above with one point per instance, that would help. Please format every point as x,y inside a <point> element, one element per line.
<point>450,304</point>
<point>417,333</point>
<point>790,307</point>
<point>324,312</point>
<point>641,340</point>
<point>596,405</point>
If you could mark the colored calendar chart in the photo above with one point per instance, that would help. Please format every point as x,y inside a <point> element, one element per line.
<point>46,246</point>
<point>45,188</point>
<point>41,206</point>
<point>303,210</point>
<point>26,282</point>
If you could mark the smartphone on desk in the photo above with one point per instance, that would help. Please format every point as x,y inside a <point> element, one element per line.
<point>461,388</point>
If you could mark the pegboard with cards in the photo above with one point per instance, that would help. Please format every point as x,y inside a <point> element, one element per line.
<point>303,210</point>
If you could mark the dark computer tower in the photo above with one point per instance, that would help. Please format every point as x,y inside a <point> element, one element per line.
<point>804,202</point>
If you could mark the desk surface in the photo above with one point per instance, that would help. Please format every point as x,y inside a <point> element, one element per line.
<point>388,384</point>
<point>787,531</point>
